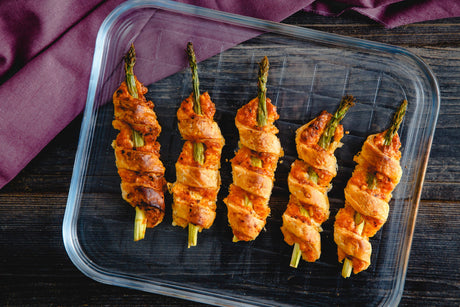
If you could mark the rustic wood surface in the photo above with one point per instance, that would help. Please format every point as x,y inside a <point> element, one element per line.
<point>35,269</point>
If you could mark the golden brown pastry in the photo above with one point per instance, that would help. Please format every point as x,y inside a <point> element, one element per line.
<point>137,151</point>
<point>197,169</point>
<point>254,164</point>
<point>367,194</point>
<point>309,180</point>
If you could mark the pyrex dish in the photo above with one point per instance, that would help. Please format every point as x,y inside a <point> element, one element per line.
<point>310,71</point>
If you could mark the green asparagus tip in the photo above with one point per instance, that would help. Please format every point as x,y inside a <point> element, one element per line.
<point>130,60</point>
<point>395,123</point>
<point>264,65</point>
<point>140,224</point>
<point>345,104</point>
<point>195,80</point>
<point>192,234</point>
<point>296,255</point>
<point>262,92</point>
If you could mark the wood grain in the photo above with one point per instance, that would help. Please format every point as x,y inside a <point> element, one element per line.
<point>35,269</point>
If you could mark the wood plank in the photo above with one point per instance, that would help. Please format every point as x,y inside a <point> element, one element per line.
<point>440,33</point>
<point>435,249</point>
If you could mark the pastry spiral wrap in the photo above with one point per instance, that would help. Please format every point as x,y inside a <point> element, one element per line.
<point>367,194</point>
<point>140,168</point>
<point>254,164</point>
<point>197,169</point>
<point>197,185</point>
<point>309,181</point>
<point>253,169</point>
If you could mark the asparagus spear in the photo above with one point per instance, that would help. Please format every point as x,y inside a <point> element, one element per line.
<point>396,122</point>
<point>325,140</point>
<point>312,175</point>
<point>192,234</point>
<point>140,220</point>
<point>198,152</point>
<point>130,60</point>
<point>195,80</point>
<point>261,112</point>
<point>346,103</point>
<point>198,148</point>
<point>140,224</point>
<point>262,106</point>
<point>255,161</point>
<point>262,92</point>
<point>348,264</point>
<point>246,202</point>
<point>138,139</point>
<point>372,180</point>
<point>296,252</point>
<point>296,255</point>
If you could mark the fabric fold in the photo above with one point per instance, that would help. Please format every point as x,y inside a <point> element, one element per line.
<point>49,91</point>
<point>390,13</point>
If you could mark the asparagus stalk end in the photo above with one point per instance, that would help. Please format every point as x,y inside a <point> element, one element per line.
<point>348,264</point>
<point>296,255</point>
<point>347,268</point>
<point>192,234</point>
<point>140,224</point>
<point>296,252</point>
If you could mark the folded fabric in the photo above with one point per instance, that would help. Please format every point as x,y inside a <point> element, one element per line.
<point>47,48</point>
<point>45,63</point>
<point>390,13</point>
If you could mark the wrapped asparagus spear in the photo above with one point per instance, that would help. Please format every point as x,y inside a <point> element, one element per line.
<point>197,169</point>
<point>367,194</point>
<point>137,151</point>
<point>309,180</point>
<point>254,164</point>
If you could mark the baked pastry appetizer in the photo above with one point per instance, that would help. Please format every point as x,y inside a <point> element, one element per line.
<point>197,169</point>
<point>137,151</point>
<point>367,194</point>
<point>309,181</point>
<point>254,164</point>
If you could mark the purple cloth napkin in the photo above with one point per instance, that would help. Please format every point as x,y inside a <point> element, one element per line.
<point>390,13</point>
<point>47,47</point>
<point>45,63</point>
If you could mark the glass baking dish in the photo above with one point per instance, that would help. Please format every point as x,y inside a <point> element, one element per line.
<point>309,72</point>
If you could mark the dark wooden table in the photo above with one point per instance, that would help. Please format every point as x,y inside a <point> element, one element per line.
<point>35,269</point>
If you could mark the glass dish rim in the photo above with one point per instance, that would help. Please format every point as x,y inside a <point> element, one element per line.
<point>69,227</point>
